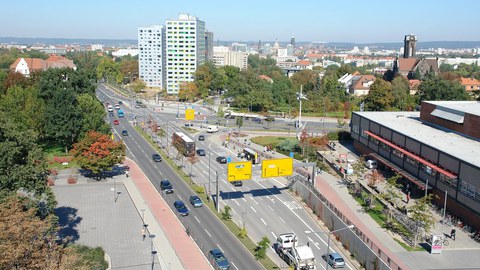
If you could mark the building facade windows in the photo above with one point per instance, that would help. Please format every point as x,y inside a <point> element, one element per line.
<point>453,182</point>
<point>397,153</point>
<point>411,161</point>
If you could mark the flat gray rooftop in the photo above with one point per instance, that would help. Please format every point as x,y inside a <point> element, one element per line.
<point>471,107</point>
<point>409,124</point>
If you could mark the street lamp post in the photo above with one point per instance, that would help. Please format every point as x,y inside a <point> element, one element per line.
<point>328,241</point>
<point>300,96</point>
<point>153,252</point>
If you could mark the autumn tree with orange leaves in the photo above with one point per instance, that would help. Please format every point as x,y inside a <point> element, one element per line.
<point>98,153</point>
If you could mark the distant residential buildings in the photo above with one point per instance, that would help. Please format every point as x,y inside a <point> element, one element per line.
<point>224,56</point>
<point>97,47</point>
<point>170,54</point>
<point>209,46</point>
<point>361,84</point>
<point>125,52</point>
<point>54,50</point>
<point>26,66</point>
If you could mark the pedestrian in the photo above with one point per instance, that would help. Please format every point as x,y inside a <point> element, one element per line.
<point>452,234</point>
<point>408,196</point>
<point>308,178</point>
<point>208,197</point>
<point>143,234</point>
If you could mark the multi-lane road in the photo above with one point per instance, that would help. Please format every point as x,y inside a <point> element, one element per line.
<point>264,205</point>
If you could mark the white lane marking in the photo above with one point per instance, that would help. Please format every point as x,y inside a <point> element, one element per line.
<point>244,199</point>
<point>274,236</point>
<point>196,219</point>
<point>236,202</point>
<point>314,243</point>
<point>219,247</point>
<point>254,200</point>
<point>280,184</point>
<point>253,209</point>
<point>263,221</point>
<point>271,209</point>
<point>234,265</point>
<point>208,233</point>
<point>282,220</point>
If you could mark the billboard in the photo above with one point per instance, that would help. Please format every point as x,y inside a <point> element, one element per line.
<point>237,171</point>
<point>189,114</point>
<point>277,167</point>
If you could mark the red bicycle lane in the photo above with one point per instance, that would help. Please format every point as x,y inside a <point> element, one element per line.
<point>184,247</point>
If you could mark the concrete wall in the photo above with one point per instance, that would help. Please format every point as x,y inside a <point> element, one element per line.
<point>364,250</point>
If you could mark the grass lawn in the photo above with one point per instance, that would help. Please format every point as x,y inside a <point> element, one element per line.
<point>56,156</point>
<point>268,140</point>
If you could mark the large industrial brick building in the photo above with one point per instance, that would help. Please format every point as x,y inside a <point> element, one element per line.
<point>440,145</point>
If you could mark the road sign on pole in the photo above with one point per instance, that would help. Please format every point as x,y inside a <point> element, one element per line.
<point>277,167</point>
<point>189,114</point>
<point>237,171</point>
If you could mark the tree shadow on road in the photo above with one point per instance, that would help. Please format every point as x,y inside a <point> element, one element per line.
<point>68,222</point>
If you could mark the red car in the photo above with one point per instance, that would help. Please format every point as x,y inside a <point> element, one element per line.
<point>116,122</point>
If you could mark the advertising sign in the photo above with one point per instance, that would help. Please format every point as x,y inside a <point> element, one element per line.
<point>277,167</point>
<point>237,171</point>
<point>437,241</point>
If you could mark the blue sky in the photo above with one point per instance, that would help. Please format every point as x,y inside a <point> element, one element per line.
<point>252,20</point>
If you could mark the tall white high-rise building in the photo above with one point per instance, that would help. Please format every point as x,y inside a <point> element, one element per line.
<point>150,55</point>
<point>184,50</point>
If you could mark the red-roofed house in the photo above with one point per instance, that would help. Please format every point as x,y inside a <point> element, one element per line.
<point>470,84</point>
<point>265,77</point>
<point>361,86</point>
<point>304,64</point>
<point>26,66</point>
<point>413,85</point>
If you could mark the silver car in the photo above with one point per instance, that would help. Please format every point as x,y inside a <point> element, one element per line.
<point>334,260</point>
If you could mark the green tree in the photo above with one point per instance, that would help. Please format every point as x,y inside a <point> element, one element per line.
<point>401,93</point>
<point>138,85</point>
<point>98,153</point>
<point>437,88</point>
<point>261,250</point>
<point>380,97</point>
<point>24,107</point>
<point>421,214</point>
<point>239,122</point>
<point>109,70</point>
<point>22,161</point>
<point>93,114</point>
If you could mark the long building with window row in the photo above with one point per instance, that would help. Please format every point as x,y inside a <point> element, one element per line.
<point>437,148</point>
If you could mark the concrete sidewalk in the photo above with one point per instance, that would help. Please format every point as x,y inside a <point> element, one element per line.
<point>174,246</point>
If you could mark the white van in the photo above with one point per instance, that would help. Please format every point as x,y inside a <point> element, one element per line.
<point>212,129</point>
<point>371,164</point>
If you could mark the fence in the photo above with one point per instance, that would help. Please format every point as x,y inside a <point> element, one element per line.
<point>368,253</point>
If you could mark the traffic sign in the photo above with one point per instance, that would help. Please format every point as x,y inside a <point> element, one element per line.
<point>229,159</point>
<point>237,171</point>
<point>189,114</point>
<point>291,154</point>
<point>277,167</point>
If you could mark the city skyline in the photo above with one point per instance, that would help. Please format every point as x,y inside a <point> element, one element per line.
<point>339,21</point>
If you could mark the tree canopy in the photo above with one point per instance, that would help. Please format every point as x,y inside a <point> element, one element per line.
<point>437,88</point>
<point>98,153</point>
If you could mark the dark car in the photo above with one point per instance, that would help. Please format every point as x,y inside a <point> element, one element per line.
<point>143,105</point>
<point>120,102</point>
<point>124,132</point>
<point>181,208</point>
<point>237,183</point>
<point>219,260</point>
<point>221,159</point>
<point>196,201</point>
<point>201,152</point>
<point>116,122</point>
<point>201,137</point>
<point>156,157</point>
<point>270,119</point>
<point>165,185</point>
